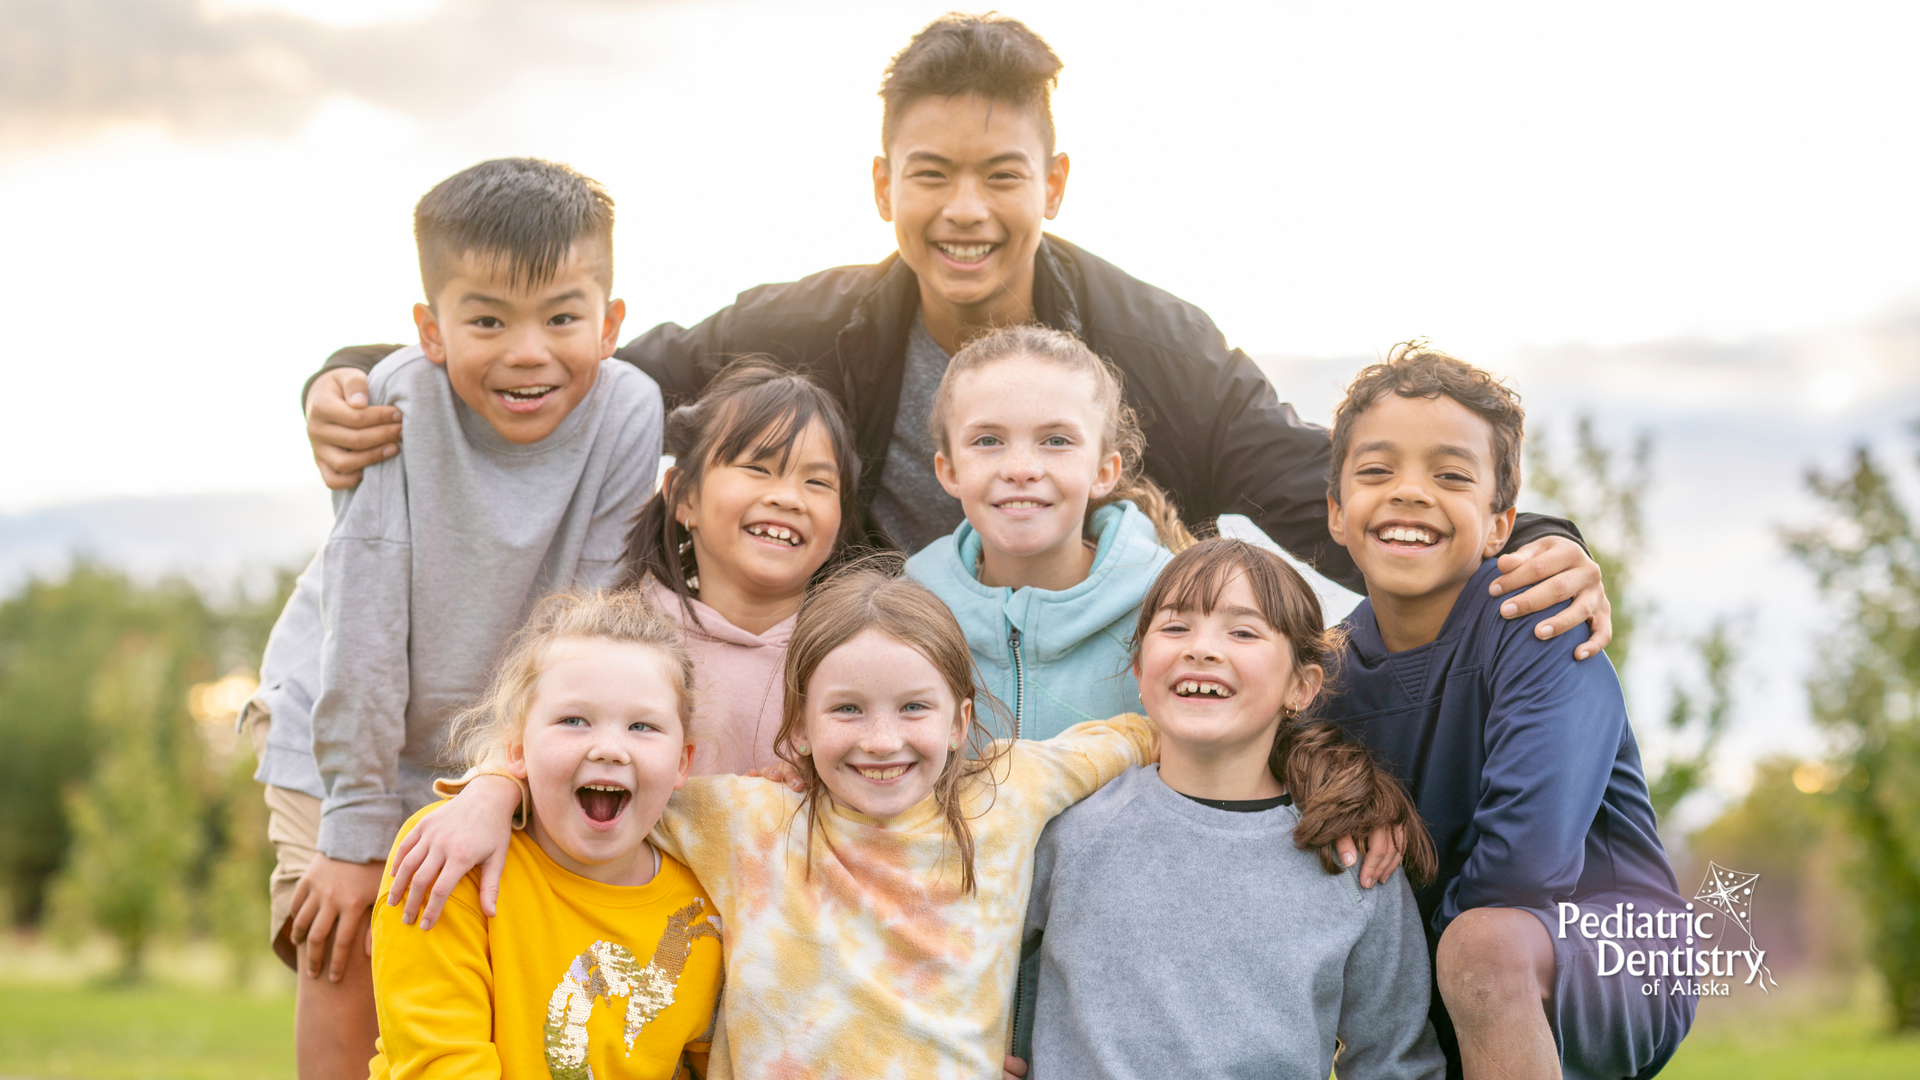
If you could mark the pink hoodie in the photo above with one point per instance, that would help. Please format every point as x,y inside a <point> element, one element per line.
<point>737,686</point>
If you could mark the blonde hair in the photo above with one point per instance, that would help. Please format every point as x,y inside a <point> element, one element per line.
<point>871,595</point>
<point>497,722</point>
<point>1120,429</point>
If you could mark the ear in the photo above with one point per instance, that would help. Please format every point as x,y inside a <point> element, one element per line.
<point>686,765</point>
<point>517,759</point>
<point>1336,521</point>
<point>431,341</point>
<point>944,472</point>
<point>1497,536</point>
<point>1306,686</point>
<point>1106,477</point>
<point>683,507</point>
<point>1057,183</point>
<point>963,723</point>
<point>883,189</point>
<point>610,327</point>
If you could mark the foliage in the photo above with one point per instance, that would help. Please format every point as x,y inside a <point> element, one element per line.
<point>133,823</point>
<point>1606,505</point>
<point>1866,558</point>
<point>1695,722</point>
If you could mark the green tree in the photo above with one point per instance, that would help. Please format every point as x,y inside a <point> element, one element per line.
<point>135,824</point>
<point>1866,692</point>
<point>1697,719</point>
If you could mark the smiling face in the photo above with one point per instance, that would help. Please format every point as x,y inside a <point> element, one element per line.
<point>1215,683</point>
<point>522,356</point>
<point>880,724</point>
<point>603,749</point>
<point>968,184</point>
<point>1416,509</point>
<point>1024,456</point>
<point>763,526</point>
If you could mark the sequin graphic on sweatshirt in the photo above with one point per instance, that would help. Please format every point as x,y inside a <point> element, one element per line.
<point>608,970</point>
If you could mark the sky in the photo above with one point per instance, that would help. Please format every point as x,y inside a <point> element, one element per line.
<point>1691,218</point>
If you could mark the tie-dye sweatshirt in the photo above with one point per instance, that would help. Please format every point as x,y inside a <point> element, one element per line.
<point>865,960</point>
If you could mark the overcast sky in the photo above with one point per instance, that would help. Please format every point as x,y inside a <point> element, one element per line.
<point>1695,217</point>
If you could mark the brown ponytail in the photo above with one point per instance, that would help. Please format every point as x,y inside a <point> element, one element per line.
<point>1337,787</point>
<point>1121,431</point>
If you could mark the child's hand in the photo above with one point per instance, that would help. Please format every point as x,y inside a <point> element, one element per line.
<point>780,773</point>
<point>1385,847</point>
<point>331,902</point>
<point>346,434</point>
<point>1014,1069</point>
<point>1562,570</point>
<point>472,830</point>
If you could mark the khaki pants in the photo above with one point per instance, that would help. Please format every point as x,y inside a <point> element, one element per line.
<point>293,827</point>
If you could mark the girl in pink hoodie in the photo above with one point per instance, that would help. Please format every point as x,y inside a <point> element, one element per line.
<point>760,498</point>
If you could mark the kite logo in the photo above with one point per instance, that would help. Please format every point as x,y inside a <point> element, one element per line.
<point>1730,892</point>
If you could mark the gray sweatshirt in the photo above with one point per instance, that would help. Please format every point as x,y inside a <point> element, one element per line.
<point>1175,939</point>
<point>434,562</point>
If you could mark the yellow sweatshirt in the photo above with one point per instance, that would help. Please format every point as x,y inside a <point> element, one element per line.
<point>877,965</point>
<point>574,975</point>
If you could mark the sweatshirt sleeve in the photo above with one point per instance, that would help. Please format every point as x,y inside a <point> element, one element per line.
<point>435,991</point>
<point>1079,761</point>
<point>1384,1031</point>
<point>359,718</point>
<point>635,461</point>
<point>1552,733</point>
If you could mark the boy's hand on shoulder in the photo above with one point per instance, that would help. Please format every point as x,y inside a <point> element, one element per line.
<point>346,433</point>
<point>331,902</point>
<point>1559,569</point>
<point>1013,1069</point>
<point>1386,846</point>
<point>474,829</point>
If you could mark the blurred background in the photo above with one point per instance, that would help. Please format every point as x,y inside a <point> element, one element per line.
<point>1686,232</point>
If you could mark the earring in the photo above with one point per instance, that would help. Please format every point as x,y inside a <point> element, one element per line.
<point>804,749</point>
<point>953,743</point>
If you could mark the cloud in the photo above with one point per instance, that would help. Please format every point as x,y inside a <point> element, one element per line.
<point>72,67</point>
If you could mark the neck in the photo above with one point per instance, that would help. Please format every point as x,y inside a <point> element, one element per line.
<point>1408,622</point>
<point>1058,568</point>
<point>633,869</point>
<point>754,610</point>
<point>952,325</point>
<point>1234,772</point>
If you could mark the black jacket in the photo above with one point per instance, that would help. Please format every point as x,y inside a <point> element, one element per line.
<point>1219,440</point>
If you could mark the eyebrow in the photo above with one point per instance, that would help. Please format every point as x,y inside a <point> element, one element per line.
<point>997,159</point>
<point>568,297</point>
<point>1388,444</point>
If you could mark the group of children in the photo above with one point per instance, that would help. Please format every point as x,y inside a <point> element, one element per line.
<point>614,778</point>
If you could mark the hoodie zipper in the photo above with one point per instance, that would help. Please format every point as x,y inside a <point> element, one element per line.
<point>1019,678</point>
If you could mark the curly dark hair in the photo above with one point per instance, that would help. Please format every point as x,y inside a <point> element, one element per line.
<point>1414,369</point>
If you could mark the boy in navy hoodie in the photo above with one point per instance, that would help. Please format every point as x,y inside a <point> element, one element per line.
<point>1519,758</point>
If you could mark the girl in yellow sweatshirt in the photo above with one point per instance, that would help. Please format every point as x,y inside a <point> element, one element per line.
<point>604,960</point>
<point>872,919</point>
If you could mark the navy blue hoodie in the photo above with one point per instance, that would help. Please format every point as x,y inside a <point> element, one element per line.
<point>1519,757</point>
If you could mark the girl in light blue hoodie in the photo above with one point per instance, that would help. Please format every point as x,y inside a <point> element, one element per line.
<point>1063,534</point>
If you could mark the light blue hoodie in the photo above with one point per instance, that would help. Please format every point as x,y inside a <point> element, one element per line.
<point>1053,658</point>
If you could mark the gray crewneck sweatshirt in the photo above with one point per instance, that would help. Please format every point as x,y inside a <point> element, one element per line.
<point>434,562</point>
<point>1175,939</point>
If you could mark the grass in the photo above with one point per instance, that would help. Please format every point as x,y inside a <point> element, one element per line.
<point>1811,1034</point>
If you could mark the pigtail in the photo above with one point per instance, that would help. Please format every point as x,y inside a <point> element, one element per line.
<point>1339,790</point>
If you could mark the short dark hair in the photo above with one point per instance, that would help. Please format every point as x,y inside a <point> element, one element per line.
<point>1413,369</point>
<point>990,55</point>
<point>523,212</point>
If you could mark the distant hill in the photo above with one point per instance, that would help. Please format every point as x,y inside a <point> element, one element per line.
<point>215,540</point>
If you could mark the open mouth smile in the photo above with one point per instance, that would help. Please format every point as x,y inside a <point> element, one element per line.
<point>522,399</point>
<point>778,534</point>
<point>966,254</point>
<point>1192,688</point>
<point>1407,537</point>
<point>602,803</point>
<point>881,774</point>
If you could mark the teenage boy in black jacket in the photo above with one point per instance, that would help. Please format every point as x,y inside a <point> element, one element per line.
<point>968,176</point>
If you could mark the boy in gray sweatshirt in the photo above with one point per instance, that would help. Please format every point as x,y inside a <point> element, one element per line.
<point>526,453</point>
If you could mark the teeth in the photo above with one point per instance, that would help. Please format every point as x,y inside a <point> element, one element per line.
<point>528,393</point>
<point>1021,504</point>
<point>1193,687</point>
<point>966,252</point>
<point>887,773</point>
<point>604,787</point>
<point>776,532</point>
<point>1408,535</point>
